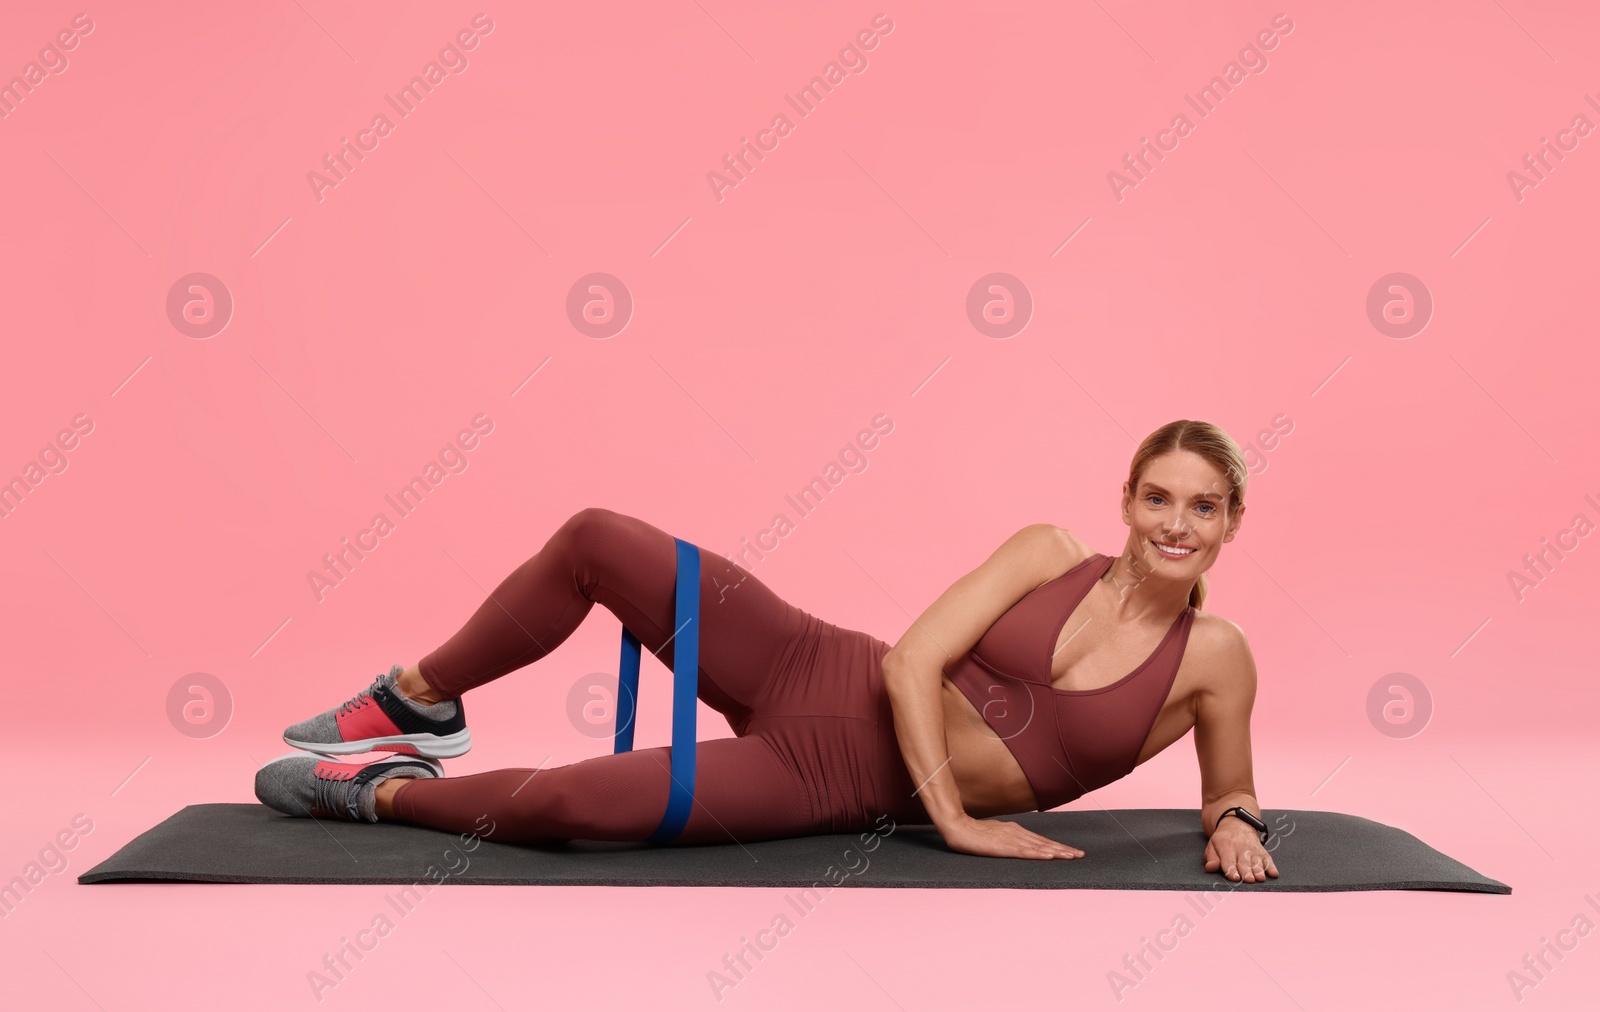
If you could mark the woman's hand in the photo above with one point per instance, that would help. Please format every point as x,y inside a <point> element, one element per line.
<point>990,838</point>
<point>1236,848</point>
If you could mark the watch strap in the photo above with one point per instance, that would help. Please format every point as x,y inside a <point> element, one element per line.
<point>1242,813</point>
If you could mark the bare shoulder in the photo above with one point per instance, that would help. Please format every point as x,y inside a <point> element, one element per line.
<point>959,617</point>
<point>1222,652</point>
<point>1062,547</point>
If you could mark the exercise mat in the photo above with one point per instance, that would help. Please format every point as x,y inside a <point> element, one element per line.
<point>1143,848</point>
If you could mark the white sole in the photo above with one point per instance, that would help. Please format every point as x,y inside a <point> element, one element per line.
<point>428,746</point>
<point>432,764</point>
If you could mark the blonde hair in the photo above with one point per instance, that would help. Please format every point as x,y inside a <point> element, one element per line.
<point>1212,445</point>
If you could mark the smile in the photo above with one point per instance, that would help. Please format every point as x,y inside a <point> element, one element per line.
<point>1173,553</point>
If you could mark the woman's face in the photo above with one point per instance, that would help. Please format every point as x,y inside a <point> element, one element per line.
<point>1181,504</point>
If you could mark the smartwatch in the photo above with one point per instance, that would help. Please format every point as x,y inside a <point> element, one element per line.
<point>1243,813</point>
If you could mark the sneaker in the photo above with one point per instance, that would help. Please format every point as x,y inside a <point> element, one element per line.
<point>380,719</point>
<point>306,785</point>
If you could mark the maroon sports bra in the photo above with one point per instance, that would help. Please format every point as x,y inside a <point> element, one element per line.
<point>1067,741</point>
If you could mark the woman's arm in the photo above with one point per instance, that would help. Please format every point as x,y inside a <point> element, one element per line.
<point>1222,744</point>
<point>913,673</point>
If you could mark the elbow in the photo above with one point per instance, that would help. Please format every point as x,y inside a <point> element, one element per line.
<point>899,672</point>
<point>894,660</point>
<point>893,671</point>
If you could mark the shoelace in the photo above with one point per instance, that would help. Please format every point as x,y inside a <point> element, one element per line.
<point>361,698</point>
<point>331,795</point>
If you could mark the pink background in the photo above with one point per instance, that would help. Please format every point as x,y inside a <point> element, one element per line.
<point>768,327</point>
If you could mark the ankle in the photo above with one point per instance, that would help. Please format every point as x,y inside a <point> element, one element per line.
<point>383,796</point>
<point>414,687</point>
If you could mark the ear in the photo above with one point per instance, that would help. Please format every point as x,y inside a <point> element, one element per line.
<point>1233,524</point>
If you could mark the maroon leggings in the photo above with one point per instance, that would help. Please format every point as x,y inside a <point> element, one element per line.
<point>814,748</point>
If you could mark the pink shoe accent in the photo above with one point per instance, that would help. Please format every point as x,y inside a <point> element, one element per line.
<point>366,720</point>
<point>328,770</point>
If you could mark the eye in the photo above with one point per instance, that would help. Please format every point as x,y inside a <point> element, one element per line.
<point>1152,495</point>
<point>1209,507</point>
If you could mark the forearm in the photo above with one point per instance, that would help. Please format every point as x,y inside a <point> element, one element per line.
<point>919,727</point>
<point>1212,810</point>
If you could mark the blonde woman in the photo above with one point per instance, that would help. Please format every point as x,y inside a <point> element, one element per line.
<point>1045,673</point>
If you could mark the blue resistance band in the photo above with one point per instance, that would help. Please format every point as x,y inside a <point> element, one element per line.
<point>685,692</point>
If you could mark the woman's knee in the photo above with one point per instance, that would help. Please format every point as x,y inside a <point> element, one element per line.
<point>602,546</point>
<point>586,523</point>
<point>585,534</point>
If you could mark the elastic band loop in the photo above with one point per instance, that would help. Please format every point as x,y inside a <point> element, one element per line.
<point>627,690</point>
<point>685,691</point>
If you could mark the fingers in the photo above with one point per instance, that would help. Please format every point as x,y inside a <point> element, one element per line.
<point>1008,839</point>
<point>1240,864</point>
<point>1060,849</point>
<point>1050,848</point>
<point>1246,866</point>
<point>1012,839</point>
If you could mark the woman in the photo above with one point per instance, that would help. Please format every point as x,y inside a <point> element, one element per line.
<point>1003,697</point>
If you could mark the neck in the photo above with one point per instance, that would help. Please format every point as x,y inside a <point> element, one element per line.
<point>1141,593</point>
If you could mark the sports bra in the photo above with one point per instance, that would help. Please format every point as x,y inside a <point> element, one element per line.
<point>1067,741</point>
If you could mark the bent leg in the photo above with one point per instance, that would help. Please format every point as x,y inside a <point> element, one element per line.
<point>630,566</point>
<point>744,791</point>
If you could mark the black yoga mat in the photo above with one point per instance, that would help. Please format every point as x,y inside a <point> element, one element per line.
<point>1144,848</point>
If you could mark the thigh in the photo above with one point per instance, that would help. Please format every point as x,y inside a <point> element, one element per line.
<point>748,634</point>
<point>836,726</point>
<point>744,791</point>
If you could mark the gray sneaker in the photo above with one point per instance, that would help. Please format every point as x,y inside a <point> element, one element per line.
<point>307,785</point>
<point>380,719</point>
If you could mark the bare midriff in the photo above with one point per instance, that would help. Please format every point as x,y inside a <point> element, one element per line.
<point>991,781</point>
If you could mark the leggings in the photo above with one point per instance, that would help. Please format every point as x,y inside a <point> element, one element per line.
<point>814,747</point>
